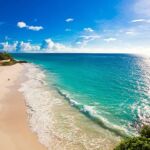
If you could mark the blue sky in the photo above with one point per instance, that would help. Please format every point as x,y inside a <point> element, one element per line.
<point>107,26</point>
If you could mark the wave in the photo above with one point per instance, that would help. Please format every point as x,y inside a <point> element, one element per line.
<point>40,100</point>
<point>142,109</point>
<point>90,112</point>
<point>38,103</point>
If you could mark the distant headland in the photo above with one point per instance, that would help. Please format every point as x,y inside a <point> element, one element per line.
<point>7,59</point>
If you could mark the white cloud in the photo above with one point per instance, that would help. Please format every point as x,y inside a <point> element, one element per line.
<point>141,21</point>
<point>83,40</point>
<point>90,37</point>
<point>35,28</point>
<point>28,47</point>
<point>69,20</point>
<point>110,39</point>
<point>5,46</point>
<point>24,25</point>
<point>49,45</point>
<point>88,29</point>
<point>86,44</point>
<point>52,47</point>
<point>21,24</point>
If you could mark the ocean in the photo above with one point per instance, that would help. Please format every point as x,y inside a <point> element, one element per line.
<point>86,101</point>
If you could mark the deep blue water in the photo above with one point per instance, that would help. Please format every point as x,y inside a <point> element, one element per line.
<point>113,88</point>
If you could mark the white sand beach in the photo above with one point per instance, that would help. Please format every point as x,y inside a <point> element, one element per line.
<point>15,133</point>
<point>24,129</point>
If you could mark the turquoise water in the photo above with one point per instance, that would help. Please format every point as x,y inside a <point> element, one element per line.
<point>111,89</point>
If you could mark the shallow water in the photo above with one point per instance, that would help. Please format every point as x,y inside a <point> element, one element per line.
<point>57,124</point>
<point>100,97</point>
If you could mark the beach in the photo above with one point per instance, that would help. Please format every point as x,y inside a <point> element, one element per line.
<point>50,102</point>
<point>15,133</point>
<point>33,121</point>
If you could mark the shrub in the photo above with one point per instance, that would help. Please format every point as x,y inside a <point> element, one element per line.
<point>145,132</point>
<point>141,142</point>
<point>4,56</point>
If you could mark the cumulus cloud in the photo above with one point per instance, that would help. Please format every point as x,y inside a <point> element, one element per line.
<point>110,39</point>
<point>5,46</point>
<point>24,25</point>
<point>28,47</point>
<point>21,24</point>
<point>50,45</point>
<point>88,29</point>
<point>69,20</point>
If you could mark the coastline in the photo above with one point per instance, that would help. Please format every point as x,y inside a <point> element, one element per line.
<point>15,133</point>
<point>34,121</point>
<point>57,124</point>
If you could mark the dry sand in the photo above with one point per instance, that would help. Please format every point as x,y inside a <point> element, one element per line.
<point>15,133</point>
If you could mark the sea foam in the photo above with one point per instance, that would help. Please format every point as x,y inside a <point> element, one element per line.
<point>90,112</point>
<point>38,102</point>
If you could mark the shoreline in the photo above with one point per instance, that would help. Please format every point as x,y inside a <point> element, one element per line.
<point>57,124</point>
<point>15,133</point>
<point>33,121</point>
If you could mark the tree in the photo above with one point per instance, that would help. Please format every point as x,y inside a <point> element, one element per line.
<point>141,142</point>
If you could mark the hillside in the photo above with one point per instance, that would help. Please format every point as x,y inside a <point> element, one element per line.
<point>7,59</point>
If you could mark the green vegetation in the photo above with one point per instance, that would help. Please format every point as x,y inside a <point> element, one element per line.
<point>141,142</point>
<point>6,59</point>
<point>5,56</point>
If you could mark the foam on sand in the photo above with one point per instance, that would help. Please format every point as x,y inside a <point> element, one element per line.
<point>38,103</point>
